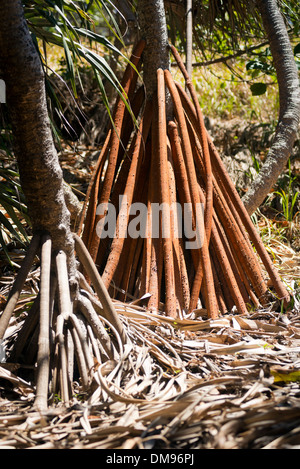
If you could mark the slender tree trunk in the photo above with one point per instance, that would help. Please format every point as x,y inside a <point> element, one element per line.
<point>40,171</point>
<point>289,95</point>
<point>189,36</point>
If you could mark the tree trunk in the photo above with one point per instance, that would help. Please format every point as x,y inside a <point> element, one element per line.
<point>289,115</point>
<point>153,27</point>
<point>189,36</point>
<point>40,171</point>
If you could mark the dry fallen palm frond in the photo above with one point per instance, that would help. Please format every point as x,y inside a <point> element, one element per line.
<point>231,383</point>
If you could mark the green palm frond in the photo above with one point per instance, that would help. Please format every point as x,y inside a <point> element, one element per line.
<point>71,26</point>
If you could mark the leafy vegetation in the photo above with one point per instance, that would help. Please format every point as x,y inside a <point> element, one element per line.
<point>74,27</point>
<point>288,198</point>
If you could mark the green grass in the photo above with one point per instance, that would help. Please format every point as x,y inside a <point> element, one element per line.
<point>223,96</point>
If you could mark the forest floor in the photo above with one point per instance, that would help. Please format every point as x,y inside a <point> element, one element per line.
<point>194,383</point>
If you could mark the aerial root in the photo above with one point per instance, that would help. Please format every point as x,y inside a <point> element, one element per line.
<point>230,193</point>
<point>120,119</point>
<point>43,356</point>
<point>175,161</point>
<point>67,334</point>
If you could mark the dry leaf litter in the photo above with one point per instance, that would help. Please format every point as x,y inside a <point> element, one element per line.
<point>190,383</point>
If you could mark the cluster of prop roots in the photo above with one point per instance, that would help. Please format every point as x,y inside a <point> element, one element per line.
<point>71,329</point>
<point>172,162</point>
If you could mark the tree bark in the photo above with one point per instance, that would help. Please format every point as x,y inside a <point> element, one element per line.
<point>153,27</point>
<point>289,114</point>
<point>40,171</point>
